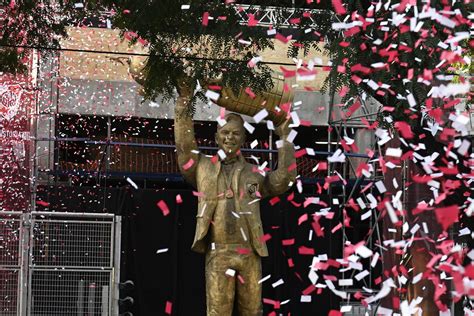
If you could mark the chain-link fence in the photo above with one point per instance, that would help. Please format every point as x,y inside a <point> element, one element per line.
<point>73,264</point>
<point>59,264</point>
<point>10,263</point>
<point>66,291</point>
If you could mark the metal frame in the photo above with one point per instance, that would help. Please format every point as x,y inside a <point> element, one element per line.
<point>115,296</point>
<point>17,218</point>
<point>275,16</point>
<point>271,15</point>
<point>111,271</point>
<point>24,246</point>
<point>339,126</point>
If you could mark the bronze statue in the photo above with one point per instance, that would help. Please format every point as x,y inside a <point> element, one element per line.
<point>229,229</point>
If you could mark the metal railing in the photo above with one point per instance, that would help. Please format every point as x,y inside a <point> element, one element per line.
<point>151,159</point>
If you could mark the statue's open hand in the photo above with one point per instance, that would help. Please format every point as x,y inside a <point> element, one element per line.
<point>283,129</point>
<point>185,87</point>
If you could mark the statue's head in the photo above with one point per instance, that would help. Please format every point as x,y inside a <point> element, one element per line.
<point>231,136</point>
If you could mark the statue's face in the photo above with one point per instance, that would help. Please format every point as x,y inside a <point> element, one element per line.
<point>230,137</point>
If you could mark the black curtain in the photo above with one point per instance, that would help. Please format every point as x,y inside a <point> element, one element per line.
<point>177,275</point>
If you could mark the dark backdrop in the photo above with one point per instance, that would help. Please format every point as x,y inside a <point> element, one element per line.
<point>177,275</point>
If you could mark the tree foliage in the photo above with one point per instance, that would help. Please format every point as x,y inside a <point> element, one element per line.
<point>389,50</point>
<point>398,52</point>
<point>203,40</point>
<point>196,41</point>
<point>25,24</point>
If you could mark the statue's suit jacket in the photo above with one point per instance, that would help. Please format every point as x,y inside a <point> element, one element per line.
<point>248,183</point>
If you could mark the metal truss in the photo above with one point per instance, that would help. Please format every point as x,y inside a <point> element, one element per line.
<point>280,17</point>
<point>267,16</point>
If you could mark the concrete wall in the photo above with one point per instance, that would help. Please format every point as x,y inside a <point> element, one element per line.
<point>120,98</point>
<point>99,84</point>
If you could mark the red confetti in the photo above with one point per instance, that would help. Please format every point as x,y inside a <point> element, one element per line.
<point>252,21</point>
<point>205,18</point>
<point>310,289</point>
<point>42,203</point>
<point>336,228</point>
<point>288,242</point>
<point>404,129</point>
<point>446,216</point>
<point>250,93</point>
<point>300,153</point>
<point>198,194</point>
<point>164,208</point>
<point>265,238</point>
<point>303,218</point>
<point>282,38</point>
<point>305,250</point>
<point>243,251</point>
<point>292,167</point>
<point>317,228</point>
<point>189,164</point>
<point>168,307</point>
<point>274,200</point>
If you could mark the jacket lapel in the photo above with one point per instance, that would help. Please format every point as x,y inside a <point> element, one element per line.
<point>240,164</point>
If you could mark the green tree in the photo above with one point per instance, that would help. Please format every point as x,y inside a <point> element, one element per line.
<point>398,51</point>
<point>195,40</point>
<point>25,24</point>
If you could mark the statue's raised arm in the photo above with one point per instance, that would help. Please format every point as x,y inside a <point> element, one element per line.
<point>186,146</point>
<point>280,180</point>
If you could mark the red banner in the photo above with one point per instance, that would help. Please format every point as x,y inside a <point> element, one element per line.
<point>16,100</point>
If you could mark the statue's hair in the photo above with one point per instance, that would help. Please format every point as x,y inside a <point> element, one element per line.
<point>233,117</point>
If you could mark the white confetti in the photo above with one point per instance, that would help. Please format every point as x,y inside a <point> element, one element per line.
<point>345,282</point>
<point>337,156</point>
<point>221,154</point>
<point>291,137</point>
<point>366,215</point>
<point>363,251</point>
<point>271,32</point>
<point>270,125</point>
<point>417,278</point>
<point>277,283</point>
<point>393,152</point>
<point>264,279</point>
<point>375,259</point>
<point>359,276</point>
<point>380,186</point>
<point>391,212</point>
<point>212,95</point>
<point>133,184</point>
<point>295,119</point>
<point>260,116</point>
<point>249,127</point>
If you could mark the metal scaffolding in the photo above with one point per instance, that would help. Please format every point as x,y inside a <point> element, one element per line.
<point>357,188</point>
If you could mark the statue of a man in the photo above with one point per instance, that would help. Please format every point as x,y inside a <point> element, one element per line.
<point>229,229</point>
